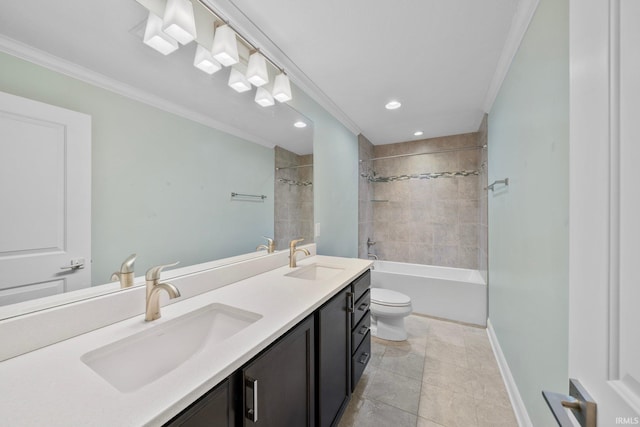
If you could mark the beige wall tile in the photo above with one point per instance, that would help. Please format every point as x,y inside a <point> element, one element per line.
<point>422,213</point>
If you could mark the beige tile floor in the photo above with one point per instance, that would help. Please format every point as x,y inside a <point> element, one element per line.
<point>444,375</point>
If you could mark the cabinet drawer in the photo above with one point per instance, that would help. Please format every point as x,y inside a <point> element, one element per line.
<point>360,360</point>
<point>361,307</point>
<point>361,284</point>
<point>360,331</point>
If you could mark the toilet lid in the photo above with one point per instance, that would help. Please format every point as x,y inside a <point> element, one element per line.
<point>388,297</point>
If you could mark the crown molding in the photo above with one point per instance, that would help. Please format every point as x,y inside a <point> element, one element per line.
<point>70,69</point>
<point>254,34</point>
<point>519,24</point>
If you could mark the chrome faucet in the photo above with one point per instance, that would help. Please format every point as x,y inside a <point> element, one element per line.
<point>293,250</point>
<point>369,244</point>
<point>126,274</point>
<point>153,291</point>
<point>270,246</point>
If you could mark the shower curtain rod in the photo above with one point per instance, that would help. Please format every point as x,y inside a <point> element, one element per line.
<point>475,147</point>
<point>294,167</point>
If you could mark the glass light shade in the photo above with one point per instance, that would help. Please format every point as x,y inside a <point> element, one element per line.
<point>300,124</point>
<point>179,22</point>
<point>257,70</point>
<point>238,81</point>
<point>282,88</point>
<point>225,47</point>
<point>205,61</point>
<point>154,36</point>
<point>264,98</point>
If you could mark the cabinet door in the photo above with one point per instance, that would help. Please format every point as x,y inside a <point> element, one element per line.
<point>279,384</point>
<point>211,410</point>
<point>334,356</point>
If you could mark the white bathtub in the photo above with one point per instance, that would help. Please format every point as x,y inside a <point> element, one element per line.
<point>450,293</point>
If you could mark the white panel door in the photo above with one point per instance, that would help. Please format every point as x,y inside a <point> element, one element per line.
<point>604,313</point>
<point>45,199</point>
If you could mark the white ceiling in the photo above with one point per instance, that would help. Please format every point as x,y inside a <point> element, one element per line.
<point>438,57</point>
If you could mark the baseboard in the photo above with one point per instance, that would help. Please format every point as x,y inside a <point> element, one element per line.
<point>522,416</point>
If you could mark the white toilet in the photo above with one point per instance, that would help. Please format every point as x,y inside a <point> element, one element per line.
<point>388,310</point>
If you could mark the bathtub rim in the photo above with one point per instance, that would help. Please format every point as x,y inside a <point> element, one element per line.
<point>479,280</point>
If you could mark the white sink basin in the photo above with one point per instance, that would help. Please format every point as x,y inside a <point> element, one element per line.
<point>315,272</point>
<point>140,359</point>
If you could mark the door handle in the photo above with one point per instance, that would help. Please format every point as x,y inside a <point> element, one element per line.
<point>364,358</point>
<point>350,302</point>
<point>251,390</point>
<point>578,401</point>
<point>74,264</point>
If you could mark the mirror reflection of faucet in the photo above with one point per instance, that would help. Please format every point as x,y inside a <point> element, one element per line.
<point>154,287</point>
<point>126,273</point>
<point>293,250</point>
<point>270,247</point>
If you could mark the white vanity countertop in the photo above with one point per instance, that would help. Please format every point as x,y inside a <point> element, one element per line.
<point>52,386</point>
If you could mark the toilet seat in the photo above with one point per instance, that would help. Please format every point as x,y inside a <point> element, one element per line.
<point>389,298</point>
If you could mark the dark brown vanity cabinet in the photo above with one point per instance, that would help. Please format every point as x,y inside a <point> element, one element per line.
<point>305,378</point>
<point>333,323</point>
<point>279,384</point>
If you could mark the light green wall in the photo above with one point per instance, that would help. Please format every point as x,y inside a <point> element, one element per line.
<point>528,221</point>
<point>335,180</point>
<point>161,184</point>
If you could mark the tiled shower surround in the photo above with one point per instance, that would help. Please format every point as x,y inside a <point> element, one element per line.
<point>423,221</point>
<point>293,203</point>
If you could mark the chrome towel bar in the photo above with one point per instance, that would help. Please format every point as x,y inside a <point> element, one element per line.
<point>250,196</point>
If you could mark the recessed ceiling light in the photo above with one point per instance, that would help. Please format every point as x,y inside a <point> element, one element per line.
<point>418,133</point>
<point>392,105</point>
<point>300,124</point>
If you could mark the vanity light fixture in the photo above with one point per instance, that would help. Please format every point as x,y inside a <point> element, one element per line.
<point>257,70</point>
<point>238,81</point>
<point>156,38</point>
<point>225,46</point>
<point>300,124</point>
<point>205,61</point>
<point>393,105</point>
<point>179,21</point>
<point>264,97</point>
<point>184,21</point>
<point>282,88</point>
<point>418,133</point>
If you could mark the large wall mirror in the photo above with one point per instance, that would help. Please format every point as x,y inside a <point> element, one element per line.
<point>162,170</point>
